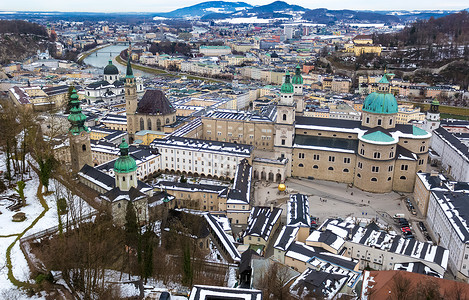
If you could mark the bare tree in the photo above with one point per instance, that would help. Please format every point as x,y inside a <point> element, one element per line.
<point>401,288</point>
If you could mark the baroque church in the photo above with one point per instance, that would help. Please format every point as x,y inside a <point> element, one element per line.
<point>152,112</point>
<point>111,88</point>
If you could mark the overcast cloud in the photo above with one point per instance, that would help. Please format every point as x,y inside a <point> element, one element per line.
<point>164,5</point>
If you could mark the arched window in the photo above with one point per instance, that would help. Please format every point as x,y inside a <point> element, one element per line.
<point>315,167</point>
<point>167,120</point>
<point>374,179</point>
<point>330,169</point>
<point>346,170</point>
<point>149,124</point>
<point>158,124</point>
<point>367,120</point>
<point>389,178</point>
<point>403,178</point>
<point>83,147</point>
<point>379,122</point>
<point>358,175</point>
<point>284,117</point>
<point>300,165</point>
<point>142,124</point>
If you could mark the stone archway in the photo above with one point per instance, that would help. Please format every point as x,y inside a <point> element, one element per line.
<point>271,176</point>
<point>278,178</point>
<point>263,175</point>
<point>256,174</point>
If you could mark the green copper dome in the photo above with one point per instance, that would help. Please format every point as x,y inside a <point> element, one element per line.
<point>380,103</point>
<point>110,69</point>
<point>76,117</point>
<point>287,87</point>
<point>125,163</point>
<point>297,78</point>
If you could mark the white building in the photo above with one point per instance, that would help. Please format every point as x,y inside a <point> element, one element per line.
<point>451,141</point>
<point>448,219</point>
<point>195,156</point>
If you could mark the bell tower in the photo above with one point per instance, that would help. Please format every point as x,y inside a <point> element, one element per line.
<point>297,81</point>
<point>130,98</point>
<point>285,122</point>
<point>125,169</point>
<point>80,148</point>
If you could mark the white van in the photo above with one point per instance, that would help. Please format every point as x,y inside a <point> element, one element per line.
<point>398,216</point>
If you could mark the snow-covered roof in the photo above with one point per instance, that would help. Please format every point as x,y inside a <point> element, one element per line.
<point>286,237</point>
<point>204,292</point>
<point>261,221</point>
<point>223,237</point>
<point>326,237</point>
<point>298,211</point>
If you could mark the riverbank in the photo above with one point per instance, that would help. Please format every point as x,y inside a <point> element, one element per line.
<point>84,55</point>
<point>166,73</point>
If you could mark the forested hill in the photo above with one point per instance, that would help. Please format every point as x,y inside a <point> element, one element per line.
<point>452,29</point>
<point>19,26</point>
<point>20,40</point>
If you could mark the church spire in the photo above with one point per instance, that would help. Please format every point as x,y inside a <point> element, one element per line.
<point>76,118</point>
<point>129,73</point>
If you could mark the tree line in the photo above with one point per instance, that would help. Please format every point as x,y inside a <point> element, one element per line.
<point>22,27</point>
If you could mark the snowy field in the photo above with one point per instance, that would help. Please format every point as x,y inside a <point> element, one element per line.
<point>10,230</point>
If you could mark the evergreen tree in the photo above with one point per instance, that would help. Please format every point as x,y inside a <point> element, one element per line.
<point>45,169</point>
<point>20,190</point>
<point>187,266</point>
<point>131,231</point>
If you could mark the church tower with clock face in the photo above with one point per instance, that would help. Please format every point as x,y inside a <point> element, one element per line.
<point>80,148</point>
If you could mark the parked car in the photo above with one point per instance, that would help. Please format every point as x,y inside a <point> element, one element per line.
<point>422,227</point>
<point>165,296</point>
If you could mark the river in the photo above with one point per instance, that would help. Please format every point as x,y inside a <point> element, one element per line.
<point>100,59</point>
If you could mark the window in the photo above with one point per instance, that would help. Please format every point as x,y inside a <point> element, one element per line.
<point>316,157</point>
<point>360,165</point>
<point>330,169</point>
<point>283,141</point>
<point>404,167</point>
<point>422,148</point>
<point>315,167</point>
<point>362,151</point>
<point>358,175</point>
<point>390,168</point>
<point>374,179</point>
<point>123,178</point>
<point>367,120</point>
<point>391,154</point>
<point>301,165</point>
<point>83,147</point>
<point>346,170</point>
<point>301,155</point>
<point>374,169</point>
<point>331,158</point>
<point>284,117</point>
<point>346,160</point>
<point>376,155</point>
<point>389,178</point>
<point>379,122</point>
<point>390,121</point>
<point>403,178</point>
<point>421,162</point>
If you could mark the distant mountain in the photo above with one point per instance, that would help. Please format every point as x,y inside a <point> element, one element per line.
<point>324,16</point>
<point>219,10</point>
<point>205,8</point>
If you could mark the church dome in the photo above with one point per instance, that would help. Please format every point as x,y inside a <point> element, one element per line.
<point>110,69</point>
<point>380,103</point>
<point>125,163</point>
<point>297,78</point>
<point>287,87</point>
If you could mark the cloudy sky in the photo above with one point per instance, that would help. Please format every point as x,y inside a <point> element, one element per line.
<point>164,5</point>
